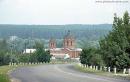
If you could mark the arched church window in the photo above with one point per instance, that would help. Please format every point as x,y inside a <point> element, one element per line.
<point>71,43</point>
<point>67,43</point>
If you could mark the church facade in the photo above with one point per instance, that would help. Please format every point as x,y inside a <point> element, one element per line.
<point>69,47</point>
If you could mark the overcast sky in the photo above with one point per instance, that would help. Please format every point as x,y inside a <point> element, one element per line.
<point>59,11</point>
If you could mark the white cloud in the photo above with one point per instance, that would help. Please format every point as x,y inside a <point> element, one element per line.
<point>59,11</point>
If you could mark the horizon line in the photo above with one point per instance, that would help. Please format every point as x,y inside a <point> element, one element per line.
<point>57,24</point>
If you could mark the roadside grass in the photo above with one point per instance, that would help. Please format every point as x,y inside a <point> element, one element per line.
<point>88,70</point>
<point>4,70</point>
<point>101,73</point>
<point>4,78</point>
<point>4,73</point>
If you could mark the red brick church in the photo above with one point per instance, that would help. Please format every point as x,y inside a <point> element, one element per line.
<point>67,49</point>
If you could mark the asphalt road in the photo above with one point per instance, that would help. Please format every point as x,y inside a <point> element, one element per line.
<point>57,73</point>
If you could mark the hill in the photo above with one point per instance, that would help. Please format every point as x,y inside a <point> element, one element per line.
<point>90,32</point>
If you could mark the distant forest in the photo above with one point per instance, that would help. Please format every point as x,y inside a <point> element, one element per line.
<point>90,32</point>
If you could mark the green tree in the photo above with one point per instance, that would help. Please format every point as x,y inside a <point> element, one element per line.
<point>24,58</point>
<point>41,54</point>
<point>4,55</point>
<point>115,47</point>
<point>91,56</point>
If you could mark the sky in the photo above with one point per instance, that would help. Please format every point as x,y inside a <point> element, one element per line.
<point>58,12</point>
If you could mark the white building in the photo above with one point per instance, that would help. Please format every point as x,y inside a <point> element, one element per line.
<point>28,51</point>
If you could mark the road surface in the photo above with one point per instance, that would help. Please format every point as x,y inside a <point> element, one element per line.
<point>57,73</point>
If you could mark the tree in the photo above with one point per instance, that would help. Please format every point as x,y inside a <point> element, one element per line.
<point>24,58</point>
<point>115,47</point>
<point>4,56</point>
<point>41,54</point>
<point>91,56</point>
<point>3,45</point>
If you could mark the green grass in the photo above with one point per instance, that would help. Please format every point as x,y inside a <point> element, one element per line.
<point>88,70</point>
<point>3,73</point>
<point>102,73</point>
<point>4,77</point>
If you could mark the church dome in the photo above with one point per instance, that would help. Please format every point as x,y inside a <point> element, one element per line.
<point>52,40</point>
<point>69,35</point>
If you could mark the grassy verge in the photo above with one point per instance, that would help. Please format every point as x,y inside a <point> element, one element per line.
<point>4,77</point>
<point>88,70</point>
<point>4,70</point>
<point>102,73</point>
<point>3,73</point>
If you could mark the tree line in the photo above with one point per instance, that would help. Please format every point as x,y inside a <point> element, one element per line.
<point>57,31</point>
<point>114,48</point>
<point>8,55</point>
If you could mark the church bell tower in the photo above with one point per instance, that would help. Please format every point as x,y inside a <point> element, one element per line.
<point>69,41</point>
<point>52,43</point>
